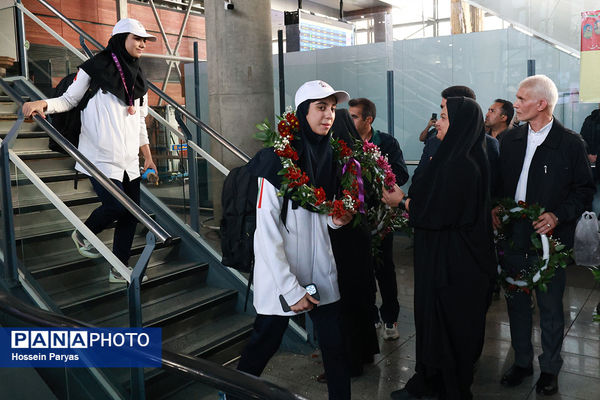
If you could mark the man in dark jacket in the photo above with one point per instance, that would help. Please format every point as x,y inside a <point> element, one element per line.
<point>541,163</point>
<point>363,111</point>
<point>590,132</point>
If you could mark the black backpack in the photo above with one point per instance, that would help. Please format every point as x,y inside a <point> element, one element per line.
<point>68,123</point>
<point>238,201</point>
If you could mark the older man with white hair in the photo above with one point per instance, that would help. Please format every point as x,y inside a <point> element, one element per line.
<point>540,162</point>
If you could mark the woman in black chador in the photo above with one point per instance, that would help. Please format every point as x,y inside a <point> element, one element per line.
<point>356,278</point>
<point>454,262</point>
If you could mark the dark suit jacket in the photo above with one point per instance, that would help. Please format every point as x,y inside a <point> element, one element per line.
<point>560,179</point>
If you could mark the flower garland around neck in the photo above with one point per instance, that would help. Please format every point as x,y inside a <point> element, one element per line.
<point>295,183</point>
<point>551,254</point>
<point>365,171</point>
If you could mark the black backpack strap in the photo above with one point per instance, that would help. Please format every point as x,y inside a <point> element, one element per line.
<point>89,93</point>
<point>250,278</point>
<point>284,211</point>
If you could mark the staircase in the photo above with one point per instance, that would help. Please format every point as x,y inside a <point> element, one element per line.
<point>197,318</point>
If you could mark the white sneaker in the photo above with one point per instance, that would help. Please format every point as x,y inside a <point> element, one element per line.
<point>115,277</point>
<point>84,247</point>
<point>390,331</point>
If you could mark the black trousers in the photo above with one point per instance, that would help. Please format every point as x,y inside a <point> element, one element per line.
<point>111,210</point>
<point>385,272</point>
<point>552,324</point>
<point>268,333</point>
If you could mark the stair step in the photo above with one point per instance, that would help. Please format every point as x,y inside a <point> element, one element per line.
<point>26,134</point>
<point>49,165</point>
<point>42,154</point>
<point>61,254</point>
<point>31,143</point>
<point>48,221</point>
<point>4,98</point>
<point>229,331</point>
<point>172,305</point>
<point>108,307</point>
<point>96,291</point>
<point>47,176</point>
<point>28,198</point>
<point>7,120</point>
<point>204,334</point>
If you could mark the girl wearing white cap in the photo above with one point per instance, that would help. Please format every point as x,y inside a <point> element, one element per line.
<point>291,255</point>
<point>110,90</point>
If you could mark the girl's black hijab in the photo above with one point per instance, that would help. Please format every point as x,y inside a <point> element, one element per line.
<point>315,157</point>
<point>105,75</point>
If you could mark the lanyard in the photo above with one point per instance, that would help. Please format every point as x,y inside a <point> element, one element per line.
<point>130,96</point>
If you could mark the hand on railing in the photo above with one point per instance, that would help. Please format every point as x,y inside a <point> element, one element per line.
<point>32,108</point>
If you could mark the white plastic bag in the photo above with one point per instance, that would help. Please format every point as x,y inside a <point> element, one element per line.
<point>587,241</point>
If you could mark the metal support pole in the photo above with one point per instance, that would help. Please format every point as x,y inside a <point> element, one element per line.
<point>20,31</point>
<point>342,9</point>
<point>9,247</point>
<point>86,49</point>
<point>134,292</point>
<point>281,72</point>
<point>198,138</point>
<point>193,183</point>
<point>390,101</point>
<point>162,32</point>
<point>202,165</point>
<point>530,67</point>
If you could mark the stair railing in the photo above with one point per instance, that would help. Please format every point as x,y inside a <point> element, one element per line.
<point>155,230</point>
<point>230,381</point>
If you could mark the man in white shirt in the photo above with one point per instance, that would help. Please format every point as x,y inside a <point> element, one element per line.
<point>541,162</point>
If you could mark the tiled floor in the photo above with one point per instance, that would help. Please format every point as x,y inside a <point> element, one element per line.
<point>579,378</point>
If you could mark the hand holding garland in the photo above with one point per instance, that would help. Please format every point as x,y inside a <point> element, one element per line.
<point>551,253</point>
<point>395,197</point>
<point>543,225</point>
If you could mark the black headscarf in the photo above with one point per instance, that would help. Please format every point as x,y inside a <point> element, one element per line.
<point>343,127</point>
<point>105,75</point>
<point>453,190</point>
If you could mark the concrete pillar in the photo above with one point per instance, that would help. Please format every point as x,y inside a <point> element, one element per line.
<point>240,71</point>
<point>381,28</point>
<point>240,78</point>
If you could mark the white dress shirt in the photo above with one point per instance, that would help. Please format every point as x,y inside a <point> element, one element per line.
<point>110,137</point>
<point>534,139</point>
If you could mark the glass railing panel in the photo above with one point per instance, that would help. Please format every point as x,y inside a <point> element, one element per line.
<point>178,166</point>
<point>170,155</point>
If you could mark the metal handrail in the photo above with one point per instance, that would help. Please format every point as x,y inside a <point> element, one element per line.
<point>160,233</point>
<point>207,372</point>
<point>191,117</point>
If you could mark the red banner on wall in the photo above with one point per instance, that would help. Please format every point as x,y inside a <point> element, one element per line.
<point>590,30</point>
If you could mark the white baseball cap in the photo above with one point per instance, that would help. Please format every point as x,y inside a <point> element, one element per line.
<point>315,90</point>
<point>130,25</point>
